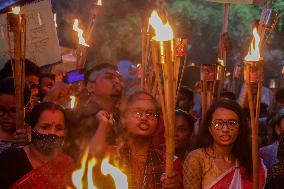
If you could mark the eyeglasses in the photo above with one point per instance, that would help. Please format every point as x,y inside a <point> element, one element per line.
<point>218,124</point>
<point>148,113</point>
<point>34,86</point>
<point>11,112</point>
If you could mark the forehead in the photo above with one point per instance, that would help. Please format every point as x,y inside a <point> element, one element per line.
<point>142,104</point>
<point>32,79</point>
<point>106,71</point>
<point>7,100</point>
<point>51,116</point>
<point>46,79</point>
<point>224,113</point>
<point>180,120</point>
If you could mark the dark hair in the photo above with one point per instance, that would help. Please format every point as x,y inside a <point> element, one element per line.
<point>99,67</point>
<point>48,75</point>
<point>187,91</point>
<point>280,151</point>
<point>228,95</point>
<point>33,117</point>
<point>273,120</point>
<point>279,95</point>
<point>30,69</point>
<point>242,147</point>
<point>189,118</point>
<point>7,87</point>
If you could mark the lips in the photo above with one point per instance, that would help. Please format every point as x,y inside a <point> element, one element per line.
<point>143,126</point>
<point>225,137</point>
<point>7,125</point>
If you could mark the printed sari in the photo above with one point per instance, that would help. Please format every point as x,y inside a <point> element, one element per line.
<point>55,174</point>
<point>201,171</point>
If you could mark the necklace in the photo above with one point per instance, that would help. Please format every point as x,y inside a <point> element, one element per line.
<point>216,156</point>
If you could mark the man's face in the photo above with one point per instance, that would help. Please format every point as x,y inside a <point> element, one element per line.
<point>33,81</point>
<point>7,112</point>
<point>106,83</point>
<point>184,103</point>
<point>46,84</point>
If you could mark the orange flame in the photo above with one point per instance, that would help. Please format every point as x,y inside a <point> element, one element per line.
<point>254,53</point>
<point>163,31</point>
<point>80,33</point>
<point>91,165</point>
<point>72,102</point>
<point>78,174</point>
<point>16,10</point>
<point>120,179</point>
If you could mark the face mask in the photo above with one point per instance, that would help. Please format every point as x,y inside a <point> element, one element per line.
<point>46,143</point>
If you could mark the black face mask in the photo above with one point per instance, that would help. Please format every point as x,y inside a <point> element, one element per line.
<point>46,143</point>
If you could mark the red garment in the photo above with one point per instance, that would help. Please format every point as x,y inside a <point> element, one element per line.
<point>146,175</point>
<point>55,174</point>
<point>226,179</point>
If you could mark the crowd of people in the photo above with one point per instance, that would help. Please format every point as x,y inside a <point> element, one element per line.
<point>211,153</point>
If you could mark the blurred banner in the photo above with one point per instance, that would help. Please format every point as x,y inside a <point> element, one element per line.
<point>42,42</point>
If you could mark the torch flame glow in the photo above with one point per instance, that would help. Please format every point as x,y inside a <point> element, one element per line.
<point>119,178</point>
<point>16,10</point>
<point>91,165</point>
<point>220,61</point>
<point>54,18</point>
<point>72,102</point>
<point>80,33</point>
<point>100,3</point>
<point>254,53</point>
<point>78,174</point>
<point>163,31</point>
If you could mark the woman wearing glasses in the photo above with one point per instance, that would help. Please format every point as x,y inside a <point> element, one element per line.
<point>144,165</point>
<point>224,161</point>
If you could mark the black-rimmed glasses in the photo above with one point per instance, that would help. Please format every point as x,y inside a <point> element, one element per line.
<point>218,124</point>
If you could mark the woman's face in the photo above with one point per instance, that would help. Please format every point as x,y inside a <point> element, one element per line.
<point>8,112</point>
<point>51,122</point>
<point>225,127</point>
<point>141,118</point>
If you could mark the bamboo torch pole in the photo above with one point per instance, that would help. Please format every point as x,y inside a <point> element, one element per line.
<point>254,124</point>
<point>163,46</point>
<point>253,74</point>
<point>16,25</point>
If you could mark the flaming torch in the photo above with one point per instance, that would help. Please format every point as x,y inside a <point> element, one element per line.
<point>72,102</point>
<point>163,57</point>
<point>83,46</point>
<point>17,26</point>
<point>253,74</point>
